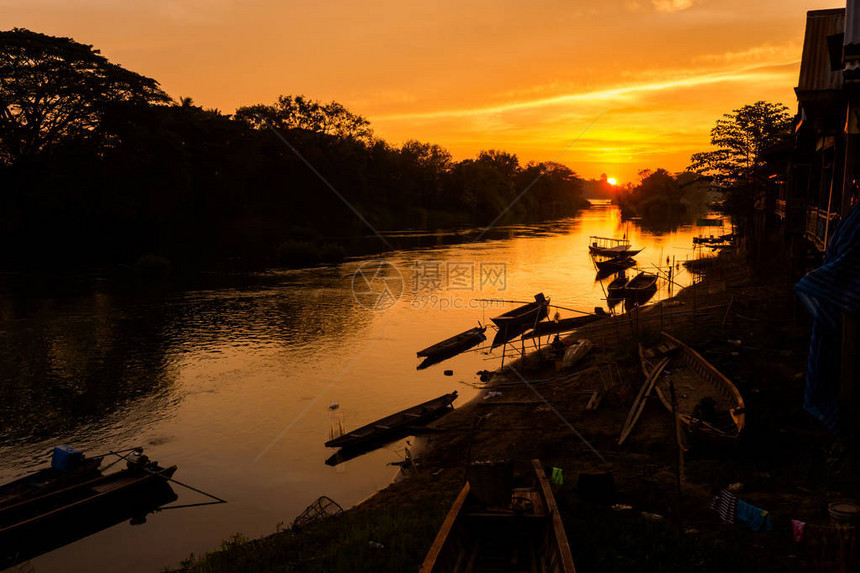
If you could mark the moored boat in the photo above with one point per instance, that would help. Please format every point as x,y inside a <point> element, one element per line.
<point>617,289</point>
<point>456,344</point>
<point>46,514</point>
<point>610,247</point>
<point>565,324</point>
<point>518,320</point>
<point>395,423</point>
<point>68,466</point>
<point>524,533</point>
<point>707,401</point>
<point>528,314</point>
<point>641,287</point>
<point>615,264</point>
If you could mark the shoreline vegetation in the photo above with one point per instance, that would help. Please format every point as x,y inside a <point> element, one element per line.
<point>785,462</point>
<point>102,167</point>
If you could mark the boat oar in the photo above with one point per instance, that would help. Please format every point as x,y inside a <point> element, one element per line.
<point>176,481</point>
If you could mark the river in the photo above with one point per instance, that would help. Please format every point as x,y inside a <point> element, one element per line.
<point>233,381</point>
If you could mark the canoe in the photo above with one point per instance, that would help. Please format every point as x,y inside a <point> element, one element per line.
<point>617,289</point>
<point>529,314</point>
<point>616,264</point>
<point>526,534</point>
<point>384,427</point>
<point>695,380</point>
<point>456,344</point>
<point>508,333</point>
<point>563,325</point>
<point>641,287</point>
<point>37,516</point>
<point>49,479</point>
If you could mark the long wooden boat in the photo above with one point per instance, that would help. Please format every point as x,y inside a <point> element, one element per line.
<point>49,479</point>
<point>509,332</point>
<point>526,535</point>
<point>456,344</point>
<point>529,314</point>
<point>36,515</point>
<point>617,289</point>
<point>72,526</point>
<point>641,287</point>
<point>695,380</point>
<point>616,264</point>
<point>610,247</point>
<point>563,325</point>
<point>380,429</point>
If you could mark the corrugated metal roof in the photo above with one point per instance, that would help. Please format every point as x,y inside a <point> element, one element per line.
<point>815,72</point>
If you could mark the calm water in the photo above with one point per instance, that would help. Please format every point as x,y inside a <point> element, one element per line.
<point>234,384</point>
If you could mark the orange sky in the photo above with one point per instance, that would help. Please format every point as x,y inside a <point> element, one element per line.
<point>527,77</point>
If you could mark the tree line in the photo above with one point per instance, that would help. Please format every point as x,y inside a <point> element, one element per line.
<point>726,178</point>
<point>99,165</point>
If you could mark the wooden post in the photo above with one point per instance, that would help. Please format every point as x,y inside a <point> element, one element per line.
<point>680,469</point>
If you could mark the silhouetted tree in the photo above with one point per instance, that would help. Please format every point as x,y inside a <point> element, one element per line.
<point>56,90</point>
<point>298,112</point>
<point>741,139</point>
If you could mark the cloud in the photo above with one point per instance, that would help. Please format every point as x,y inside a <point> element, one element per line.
<point>602,96</point>
<point>671,5</point>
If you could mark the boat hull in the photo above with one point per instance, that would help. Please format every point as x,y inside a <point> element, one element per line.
<point>456,344</point>
<point>530,537</point>
<point>696,379</point>
<point>383,428</point>
<point>45,520</point>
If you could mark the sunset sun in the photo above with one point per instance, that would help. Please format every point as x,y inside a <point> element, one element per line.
<point>612,181</point>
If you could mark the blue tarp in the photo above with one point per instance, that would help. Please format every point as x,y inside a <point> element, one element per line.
<point>828,292</point>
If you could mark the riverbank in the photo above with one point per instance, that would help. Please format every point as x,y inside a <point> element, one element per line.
<point>743,324</point>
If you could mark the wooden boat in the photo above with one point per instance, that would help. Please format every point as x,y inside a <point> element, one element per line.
<point>456,344</point>
<point>695,380</point>
<point>617,289</point>
<point>529,314</point>
<point>609,247</point>
<point>641,287</point>
<point>565,324</point>
<point>509,332</point>
<point>49,479</point>
<point>63,508</point>
<point>76,525</point>
<point>525,535</point>
<point>384,427</point>
<point>517,321</point>
<point>615,264</point>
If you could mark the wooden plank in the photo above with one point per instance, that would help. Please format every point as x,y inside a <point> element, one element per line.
<point>641,399</point>
<point>558,527</point>
<point>445,531</point>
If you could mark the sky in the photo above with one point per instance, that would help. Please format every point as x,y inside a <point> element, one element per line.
<point>614,86</point>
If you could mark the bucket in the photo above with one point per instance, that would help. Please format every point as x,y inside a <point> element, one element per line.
<point>844,512</point>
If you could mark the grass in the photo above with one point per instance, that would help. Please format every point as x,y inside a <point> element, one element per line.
<point>404,523</point>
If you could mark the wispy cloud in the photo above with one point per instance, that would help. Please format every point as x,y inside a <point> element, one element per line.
<point>671,5</point>
<point>620,93</point>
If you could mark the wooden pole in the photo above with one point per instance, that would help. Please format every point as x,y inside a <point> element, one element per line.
<point>680,469</point>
